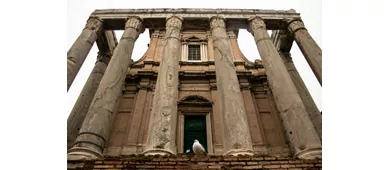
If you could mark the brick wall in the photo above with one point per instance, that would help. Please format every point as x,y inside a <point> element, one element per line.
<point>194,162</point>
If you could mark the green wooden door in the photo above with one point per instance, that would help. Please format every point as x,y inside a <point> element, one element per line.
<point>194,128</point>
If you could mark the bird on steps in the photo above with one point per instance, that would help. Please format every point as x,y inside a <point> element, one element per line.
<point>198,148</point>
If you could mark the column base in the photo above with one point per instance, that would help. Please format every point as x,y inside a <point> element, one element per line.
<point>236,152</point>
<point>157,152</point>
<point>82,153</point>
<point>311,153</point>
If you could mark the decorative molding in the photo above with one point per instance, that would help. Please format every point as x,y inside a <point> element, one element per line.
<point>255,23</point>
<point>295,25</point>
<point>95,24</point>
<point>174,21</point>
<point>136,23</point>
<point>217,21</point>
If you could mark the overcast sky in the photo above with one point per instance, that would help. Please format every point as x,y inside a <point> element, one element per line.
<point>310,10</point>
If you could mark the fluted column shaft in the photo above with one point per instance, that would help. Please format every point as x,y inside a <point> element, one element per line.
<point>303,138</point>
<point>308,46</point>
<point>162,126</point>
<point>237,138</point>
<point>81,47</point>
<point>94,132</point>
<point>85,98</point>
<point>307,100</point>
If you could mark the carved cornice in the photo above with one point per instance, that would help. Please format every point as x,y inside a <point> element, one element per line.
<point>174,21</point>
<point>136,23</point>
<point>95,24</point>
<point>295,25</point>
<point>217,21</point>
<point>255,23</point>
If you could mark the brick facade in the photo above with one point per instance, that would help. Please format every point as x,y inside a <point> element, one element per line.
<point>194,162</point>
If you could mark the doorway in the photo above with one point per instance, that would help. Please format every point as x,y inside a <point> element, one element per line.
<point>194,128</point>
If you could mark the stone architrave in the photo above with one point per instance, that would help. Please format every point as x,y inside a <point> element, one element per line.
<point>307,100</point>
<point>162,127</point>
<point>308,46</point>
<point>303,139</point>
<point>237,138</point>
<point>81,47</point>
<point>80,109</point>
<point>94,132</point>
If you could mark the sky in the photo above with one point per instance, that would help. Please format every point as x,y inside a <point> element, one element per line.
<point>310,10</point>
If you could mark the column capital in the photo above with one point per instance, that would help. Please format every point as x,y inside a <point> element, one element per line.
<point>294,25</point>
<point>136,23</point>
<point>94,23</point>
<point>255,23</point>
<point>217,21</point>
<point>174,21</point>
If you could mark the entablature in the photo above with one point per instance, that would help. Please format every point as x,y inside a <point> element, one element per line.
<point>195,18</point>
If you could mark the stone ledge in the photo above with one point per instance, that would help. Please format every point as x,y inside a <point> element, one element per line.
<point>195,162</point>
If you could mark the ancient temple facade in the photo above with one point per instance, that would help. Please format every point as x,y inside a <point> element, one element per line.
<point>193,82</point>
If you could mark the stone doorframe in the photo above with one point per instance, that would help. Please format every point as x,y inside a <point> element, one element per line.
<point>194,106</point>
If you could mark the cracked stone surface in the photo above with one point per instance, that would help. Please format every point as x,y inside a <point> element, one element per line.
<point>308,46</point>
<point>304,93</point>
<point>85,98</point>
<point>162,127</point>
<point>237,138</point>
<point>298,127</point>
<point>81,47</point>
<point>96,126</point>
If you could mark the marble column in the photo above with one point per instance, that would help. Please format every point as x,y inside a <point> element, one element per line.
<point>84,100</point>
<point>308,46</point>
<point>237,139</point>
<point>80,49</point>
<point>162,127</point>
<point>303,139</point>
<point>307,100</point>
<point>94,132</point>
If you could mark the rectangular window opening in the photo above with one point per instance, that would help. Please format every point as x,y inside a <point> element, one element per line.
<point>194,52</point>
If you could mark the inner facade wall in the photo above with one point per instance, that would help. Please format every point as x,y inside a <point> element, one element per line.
<point>196,78</point>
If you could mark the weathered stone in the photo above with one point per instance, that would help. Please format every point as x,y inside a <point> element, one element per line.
<point>311,107</point>
<point>308,46</point>
<point>81,47</point>
<point>85,98</point>
<point>303,138</point>
<point>236,131</point>
<point>162,126</point>
<point>96,126</point>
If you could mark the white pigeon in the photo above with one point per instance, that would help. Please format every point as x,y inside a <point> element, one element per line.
<point>198,148</point>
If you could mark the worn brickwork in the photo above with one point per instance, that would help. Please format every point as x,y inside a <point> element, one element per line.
<point>194,162</point>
